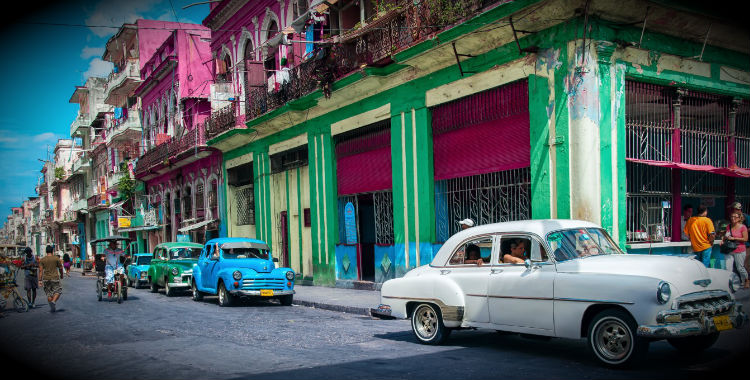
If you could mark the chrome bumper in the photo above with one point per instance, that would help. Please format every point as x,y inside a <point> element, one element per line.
<point>256,293</point>
<point>179,285</point>
<point>701,326</point>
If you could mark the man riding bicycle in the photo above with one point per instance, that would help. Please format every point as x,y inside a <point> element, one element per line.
<point>113,265</point>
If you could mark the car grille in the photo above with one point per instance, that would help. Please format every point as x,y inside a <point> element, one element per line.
<point>263,283</point>
<point>707,304</point>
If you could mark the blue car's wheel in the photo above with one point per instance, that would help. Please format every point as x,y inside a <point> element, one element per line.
<point>225,299</point>
<point>197,295</point>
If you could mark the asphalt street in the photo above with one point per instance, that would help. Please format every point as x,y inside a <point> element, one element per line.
<point>151,336</point>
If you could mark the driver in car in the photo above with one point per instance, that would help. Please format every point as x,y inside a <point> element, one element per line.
<point>112,255</point>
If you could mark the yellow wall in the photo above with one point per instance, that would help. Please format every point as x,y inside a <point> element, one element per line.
<point>290,191</point>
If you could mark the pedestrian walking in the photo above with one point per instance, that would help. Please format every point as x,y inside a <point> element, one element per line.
<point>737,206</point>
<point>737,232</point>
<point>30,281</point>
<point>66,263</point>
<point>700,229</point>
<point>51,277</point>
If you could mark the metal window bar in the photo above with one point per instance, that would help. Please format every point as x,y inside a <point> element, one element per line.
<point>645,211</point>
<point>742,135</point>
<point>648,121</point>
<point>485,198</point>
<point>742,192</point>
<point>704,120</point>
<point>702,184</point>
<point>245,200</point>
<point>383,207</point>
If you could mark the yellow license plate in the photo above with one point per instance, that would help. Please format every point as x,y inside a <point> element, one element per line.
<point>266,292</point>
<point>722,323</point>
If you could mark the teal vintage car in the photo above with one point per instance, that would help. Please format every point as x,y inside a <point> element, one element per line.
<point>172,267</point>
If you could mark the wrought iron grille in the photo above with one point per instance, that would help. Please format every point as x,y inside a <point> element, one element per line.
<point>648,121</point>
<point>742,135</point>
<point>742,192</point>
<point>383,216</point>
<point>485,198</point>
<point>704,134</point>
<point>647,188</point>
<point>245,201</point>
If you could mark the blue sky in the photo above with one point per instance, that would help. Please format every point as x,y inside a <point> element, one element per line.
<point>40,68</point>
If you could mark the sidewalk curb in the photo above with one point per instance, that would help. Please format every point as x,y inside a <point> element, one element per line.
<point>340,308</point>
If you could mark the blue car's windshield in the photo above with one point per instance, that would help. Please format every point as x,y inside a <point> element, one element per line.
<point>143,260</point>
<point>185,253</point>
<point>244,253</point>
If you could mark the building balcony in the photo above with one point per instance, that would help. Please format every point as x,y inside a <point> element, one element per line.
<point>80,204</point>
<point>174,153</point>
<point>125,129</point>
<point>97,202</point>
<point>121,84</point>
<point>81,164</point>
<point>82,121</point>
<point>372,45</point>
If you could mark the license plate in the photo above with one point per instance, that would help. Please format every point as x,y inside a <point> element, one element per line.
<point>722,323</point>
<point>266,292</point>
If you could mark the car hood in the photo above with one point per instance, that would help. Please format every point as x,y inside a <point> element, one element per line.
<point>141,268</point>
<point>680,272</point>
<point>258,265</point>
<point>184,264</point>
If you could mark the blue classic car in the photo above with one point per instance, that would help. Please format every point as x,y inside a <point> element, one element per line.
<point>240,267</point>
<point>138,270</point>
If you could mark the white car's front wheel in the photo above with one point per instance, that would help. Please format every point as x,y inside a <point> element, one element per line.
<point>427,324</point>
<point>612,338</point>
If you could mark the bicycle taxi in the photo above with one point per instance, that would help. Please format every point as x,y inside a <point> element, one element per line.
<point>9,293</point>
<point>120,290</point>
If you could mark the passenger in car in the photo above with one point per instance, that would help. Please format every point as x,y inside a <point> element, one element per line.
<point>473,255</point>
<point>517,253</point>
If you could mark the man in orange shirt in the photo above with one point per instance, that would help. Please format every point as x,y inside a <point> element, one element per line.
<point>700,229</point>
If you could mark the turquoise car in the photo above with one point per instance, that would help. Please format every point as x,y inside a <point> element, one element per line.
<point>240,268</point>
<point>138,270</point>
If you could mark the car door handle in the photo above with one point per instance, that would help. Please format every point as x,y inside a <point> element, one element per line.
<point>496,271</point>
<point>444,271</point>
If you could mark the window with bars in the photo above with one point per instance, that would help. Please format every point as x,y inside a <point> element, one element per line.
<point>485,198</point>
<point>245,201</point>
<point>382,216</point>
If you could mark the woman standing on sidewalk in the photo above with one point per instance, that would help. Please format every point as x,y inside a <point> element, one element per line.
<point>737,232</point>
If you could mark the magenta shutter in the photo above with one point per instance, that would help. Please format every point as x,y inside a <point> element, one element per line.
<point>363,163</point>
<point>482,133</point>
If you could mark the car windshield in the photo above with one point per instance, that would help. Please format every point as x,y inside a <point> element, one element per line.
<point>244,253</point>
<point>143,260</point>
<point>581,242</point>
<point>185,253</point>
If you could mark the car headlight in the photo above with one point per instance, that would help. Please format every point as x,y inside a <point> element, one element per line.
<point>734,282</point>
<point>237,275</point>
<point>663,293</point>
<point>290,275</point>
<point>175,271</point>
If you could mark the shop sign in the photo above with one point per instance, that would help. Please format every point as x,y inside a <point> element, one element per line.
<point>123,222</point>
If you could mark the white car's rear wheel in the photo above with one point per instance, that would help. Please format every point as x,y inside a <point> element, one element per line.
<point>427,324</point>
<point>612,338</point>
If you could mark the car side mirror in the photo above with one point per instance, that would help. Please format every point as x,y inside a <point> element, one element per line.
<point>527,263</point>
<point>275,259</point>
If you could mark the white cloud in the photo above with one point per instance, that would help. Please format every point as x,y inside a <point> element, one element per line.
<point>98,68</point>
<point>116,13</point>
<point>90,52</point>
<point>47,136</point>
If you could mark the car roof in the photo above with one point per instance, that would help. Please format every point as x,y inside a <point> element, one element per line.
<point>234,240</point>
<point>539,227</point>
<point>142,254</point>
<point>173,244</point>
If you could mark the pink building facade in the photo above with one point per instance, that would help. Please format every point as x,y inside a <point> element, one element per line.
<point>181,174</point>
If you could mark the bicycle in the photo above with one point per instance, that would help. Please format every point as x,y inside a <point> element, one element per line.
<point>9,289</point>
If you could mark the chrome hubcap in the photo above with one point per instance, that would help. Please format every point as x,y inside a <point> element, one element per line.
<point>426,322</point>
<point>613,340</point>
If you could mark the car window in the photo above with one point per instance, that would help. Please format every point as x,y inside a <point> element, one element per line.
<point>244,253</point>
<point>473,252</point>
<point>515,249</point>
<point>581,242</point>
<point>184,253</point>
<point>143,260</point>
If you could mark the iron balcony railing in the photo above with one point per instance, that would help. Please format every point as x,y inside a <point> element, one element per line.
<point>405,24</point>
<point>163,153</point>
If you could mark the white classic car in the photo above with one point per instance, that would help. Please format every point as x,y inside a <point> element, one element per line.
<point>572,282</point>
